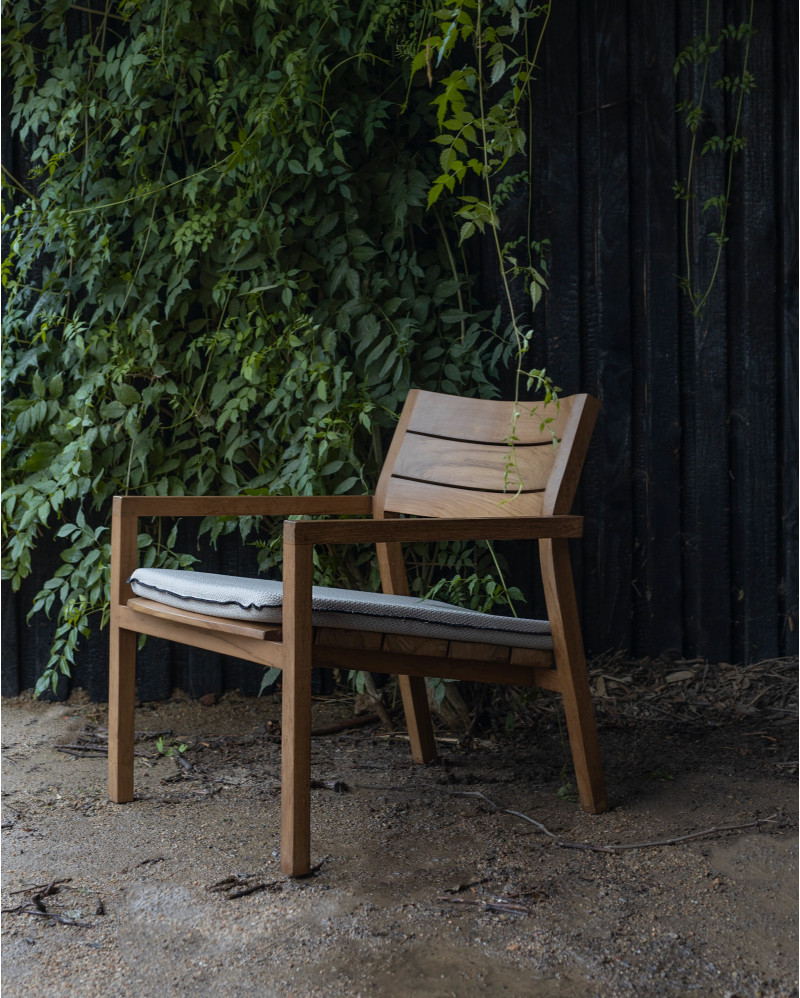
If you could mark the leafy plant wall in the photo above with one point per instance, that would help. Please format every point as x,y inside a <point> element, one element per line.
<point>222,275</point>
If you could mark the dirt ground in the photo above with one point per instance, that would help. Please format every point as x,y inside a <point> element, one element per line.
<point>427,885</point>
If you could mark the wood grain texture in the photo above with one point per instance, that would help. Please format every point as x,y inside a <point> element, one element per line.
<point>372,531</point>
<point>423,499</point>
<point>413,689</point>
<point>481,467</point>
<point>441,667</point>
<point>573,678</point>
<point>486,420</point>
<point>121,700</point>
<point>365,640</point>
<point>296,709</point>
<point>569,456</point>
<point>205,621</point>
<point>243,505</point>
<point>252,649</point>
<point>479,652</point>
<point>121,662</point>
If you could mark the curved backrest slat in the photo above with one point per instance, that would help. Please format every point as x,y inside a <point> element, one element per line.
<point>461,457</point>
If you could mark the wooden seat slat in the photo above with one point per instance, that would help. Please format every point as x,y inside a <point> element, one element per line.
<point>247,628</point>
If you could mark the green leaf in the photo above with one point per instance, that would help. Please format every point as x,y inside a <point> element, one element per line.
<point>126,395</point>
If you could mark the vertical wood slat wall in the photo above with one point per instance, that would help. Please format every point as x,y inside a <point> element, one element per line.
<point>691,483</point>
<point>690,489</point>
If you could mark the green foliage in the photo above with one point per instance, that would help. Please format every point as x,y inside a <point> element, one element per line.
<point>705,54</point>
<point>490,62</point>
<point>221,275</point>
<point>475,592</point>
<point>170,748</point>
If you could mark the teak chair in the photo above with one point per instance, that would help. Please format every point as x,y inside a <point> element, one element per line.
<point>450,474</point>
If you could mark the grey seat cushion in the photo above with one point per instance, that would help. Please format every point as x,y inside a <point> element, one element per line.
<point>262,600</point>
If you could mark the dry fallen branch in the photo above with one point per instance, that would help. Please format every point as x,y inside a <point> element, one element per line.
<point>239,887</point>
<point>35,904</point>
<point>620,847</point>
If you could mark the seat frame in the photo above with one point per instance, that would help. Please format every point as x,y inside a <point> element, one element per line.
<point>295,646</point>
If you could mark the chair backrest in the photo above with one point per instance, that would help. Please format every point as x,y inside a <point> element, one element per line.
<point>453,456</point>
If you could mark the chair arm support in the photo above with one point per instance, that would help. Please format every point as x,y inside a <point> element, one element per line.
<point>279,506</point>
<point>430,529</point>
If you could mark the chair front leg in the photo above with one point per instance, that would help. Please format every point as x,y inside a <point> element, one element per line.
<point>570,660</point>
<point>122,657</point>
<point>121,697</point>
<point>296,709</point>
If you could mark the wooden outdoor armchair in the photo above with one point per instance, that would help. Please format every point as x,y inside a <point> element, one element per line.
<point>448,467</point>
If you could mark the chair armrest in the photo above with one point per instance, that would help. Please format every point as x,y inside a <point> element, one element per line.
<point>303,532</point>
<point>241,505</point>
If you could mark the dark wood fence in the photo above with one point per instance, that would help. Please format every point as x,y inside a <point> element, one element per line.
<point>691,488</point>
<point>690,493</point>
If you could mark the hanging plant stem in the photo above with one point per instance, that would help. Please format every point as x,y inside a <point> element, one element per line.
<point>700,53</point>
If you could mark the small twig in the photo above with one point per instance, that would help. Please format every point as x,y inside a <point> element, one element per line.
<point>181,761</point>
<point>140,736</point>
<point>337,786</point>
<point>238,887</point>
<point>349,722</point>
<point>227,883</point>
<point>51,889</point>
<point>42,887</point>
<point>80,751</point>
<point>41,912</point>
<point>496,904</point>
<point>272,885</point>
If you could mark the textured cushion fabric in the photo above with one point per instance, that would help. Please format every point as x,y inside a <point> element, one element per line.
<point>262,600</point>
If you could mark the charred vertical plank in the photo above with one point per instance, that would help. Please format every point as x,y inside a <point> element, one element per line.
<point>605,292</point>
<point>656,433</point>
<point>753,331</point>
<point>11,650</point>
<point>786,139</point>
<point>705,452</point>
<point>556,322</point>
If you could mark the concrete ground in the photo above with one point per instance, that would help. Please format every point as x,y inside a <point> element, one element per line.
<point>427,885</point>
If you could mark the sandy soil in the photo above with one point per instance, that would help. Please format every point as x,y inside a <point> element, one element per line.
<point>425,887</point>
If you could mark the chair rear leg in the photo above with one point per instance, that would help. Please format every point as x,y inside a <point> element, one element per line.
<point>418,718</point>
<point>573,676</point>
<point>121,697</point>
<point>585,748</point>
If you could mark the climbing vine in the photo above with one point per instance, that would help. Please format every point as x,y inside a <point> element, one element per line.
<point>234,253</point>
<point>480,108</point>
<point>705,54</point>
